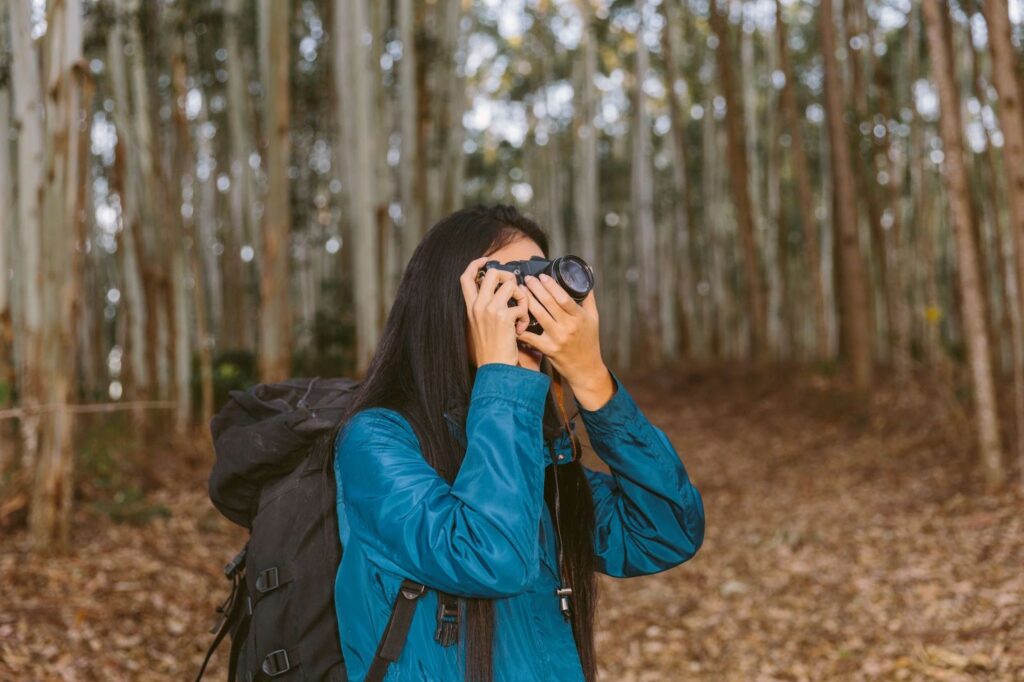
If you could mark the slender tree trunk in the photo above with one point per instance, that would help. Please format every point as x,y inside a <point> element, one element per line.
<point>585,194</point>
<point>61,231</point>
<point>7,228</point>
<point>989,445</point>
<point>275,311</point>
<point>28,118</point>
<point>351,73</point>
<point>192,243</point>
<point>802,181</point>
<point>445,178</point>
<point>740,174</point>
<point>128,183</point>
<point>412,217</point>
<point>1009,108</point>
<point>242,229</point>
<point>680,259</point>
<point>642,200</point>
<point>586,200</point>
<point>853,285</point>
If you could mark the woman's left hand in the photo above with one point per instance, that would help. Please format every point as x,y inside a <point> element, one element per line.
<point>571,340</point>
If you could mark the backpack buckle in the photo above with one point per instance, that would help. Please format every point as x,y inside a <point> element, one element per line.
<point>276,663</point>
<point>412,590</point>
<point>233,566</point>
<point>268,580</point>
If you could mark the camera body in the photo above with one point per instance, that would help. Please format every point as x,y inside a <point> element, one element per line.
<point>572,273</point>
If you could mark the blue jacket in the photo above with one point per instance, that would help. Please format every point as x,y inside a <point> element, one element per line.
<point>489,534</point>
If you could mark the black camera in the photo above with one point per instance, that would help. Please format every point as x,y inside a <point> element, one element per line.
<point>570,272</point>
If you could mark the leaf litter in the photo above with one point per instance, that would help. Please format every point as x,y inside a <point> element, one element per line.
<point>848,538</point>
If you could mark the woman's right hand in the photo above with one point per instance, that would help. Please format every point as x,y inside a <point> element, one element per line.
<point>492,322</point>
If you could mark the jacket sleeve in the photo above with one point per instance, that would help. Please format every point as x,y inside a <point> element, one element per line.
<point>477,537</point>
<point>648,515</point>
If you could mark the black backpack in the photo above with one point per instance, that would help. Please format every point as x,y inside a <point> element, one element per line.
<point>274,475</point>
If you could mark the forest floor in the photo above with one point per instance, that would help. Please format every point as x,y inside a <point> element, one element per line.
<point>847,539</point>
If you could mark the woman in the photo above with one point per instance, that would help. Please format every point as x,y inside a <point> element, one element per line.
<point>446,471</point>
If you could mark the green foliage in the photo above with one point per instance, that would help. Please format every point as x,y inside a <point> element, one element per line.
<point>232,370</point>
<point>332,350</point>
<point>112,482</point>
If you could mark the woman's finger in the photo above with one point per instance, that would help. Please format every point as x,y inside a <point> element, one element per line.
<point>539,341</point>
<point>467,280</point>
<point>541,293</point>
<point>522,307</point>
<point>505,292</point>
<point>589,303</point>
<point>541,313</point>
<point>560,295</point>
<point>487,286</point>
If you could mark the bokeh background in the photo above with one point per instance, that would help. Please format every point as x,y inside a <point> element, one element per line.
<point>807,224</point>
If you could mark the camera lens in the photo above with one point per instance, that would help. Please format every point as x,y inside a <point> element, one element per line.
<point>574,275</point>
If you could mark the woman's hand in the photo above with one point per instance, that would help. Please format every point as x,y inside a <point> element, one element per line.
<point>570,340</point>
<point>492,322</point>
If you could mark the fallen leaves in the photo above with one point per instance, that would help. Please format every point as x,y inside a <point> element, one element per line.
<point>845,541</point>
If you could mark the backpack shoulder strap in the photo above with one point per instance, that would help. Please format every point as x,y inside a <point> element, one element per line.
<point>397,630</point>
<point>233,617</point>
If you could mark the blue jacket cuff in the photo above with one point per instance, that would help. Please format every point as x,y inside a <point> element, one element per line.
<point>524,387</point>
<point>616,414</point>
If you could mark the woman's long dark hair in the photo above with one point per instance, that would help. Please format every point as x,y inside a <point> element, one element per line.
<point>422,368</point>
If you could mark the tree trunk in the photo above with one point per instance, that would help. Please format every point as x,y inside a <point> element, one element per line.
<point>739,174</point>
<point>192,244</point>
<point>804,193</point>
<point>28,118</point>
<point>242,228</point>
<point>351,73</point>
<point>127,180</point>
<point>853,286</point>
<point>275,312</point>
<point>62,232</point>
<point>642,200</point>
<point>989,445</point>
<point>7,227</point>
<point>680,259</point>
<point>585,194</point>
<point>408,167</point>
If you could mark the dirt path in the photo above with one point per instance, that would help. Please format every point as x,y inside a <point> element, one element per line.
<point>845,541</point>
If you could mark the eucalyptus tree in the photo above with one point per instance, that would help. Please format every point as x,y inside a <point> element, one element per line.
<point>968,269</point>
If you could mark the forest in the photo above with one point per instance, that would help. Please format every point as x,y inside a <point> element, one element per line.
<point>806,220</point>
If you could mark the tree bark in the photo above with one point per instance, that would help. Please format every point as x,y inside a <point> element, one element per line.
<point>62,231</point>
<point>739,174</point>
<point>7,228</point>
<point>802,181</point>
<point>680,258</point>
<point>351,69</point>
<point>242,228</point>
<point>28,118</point>
<point>973,302</point>
<point>585,194</point>
<point>853,285</point>
<point>642,200</point>
<point>275,311</point>
<point>408,167</point>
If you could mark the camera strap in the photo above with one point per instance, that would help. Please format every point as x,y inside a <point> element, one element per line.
<point>564,590</point>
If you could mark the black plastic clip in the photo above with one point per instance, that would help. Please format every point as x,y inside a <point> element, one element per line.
<point>268,580</point>
<point>276,663</point>
<point>447,632</point>
<point>236,564</point>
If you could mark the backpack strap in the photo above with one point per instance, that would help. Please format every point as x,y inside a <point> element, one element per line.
<point>232,616</point>
<point>397,629</point>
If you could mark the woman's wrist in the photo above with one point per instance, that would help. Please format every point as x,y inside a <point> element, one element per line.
<point>593,388</point>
